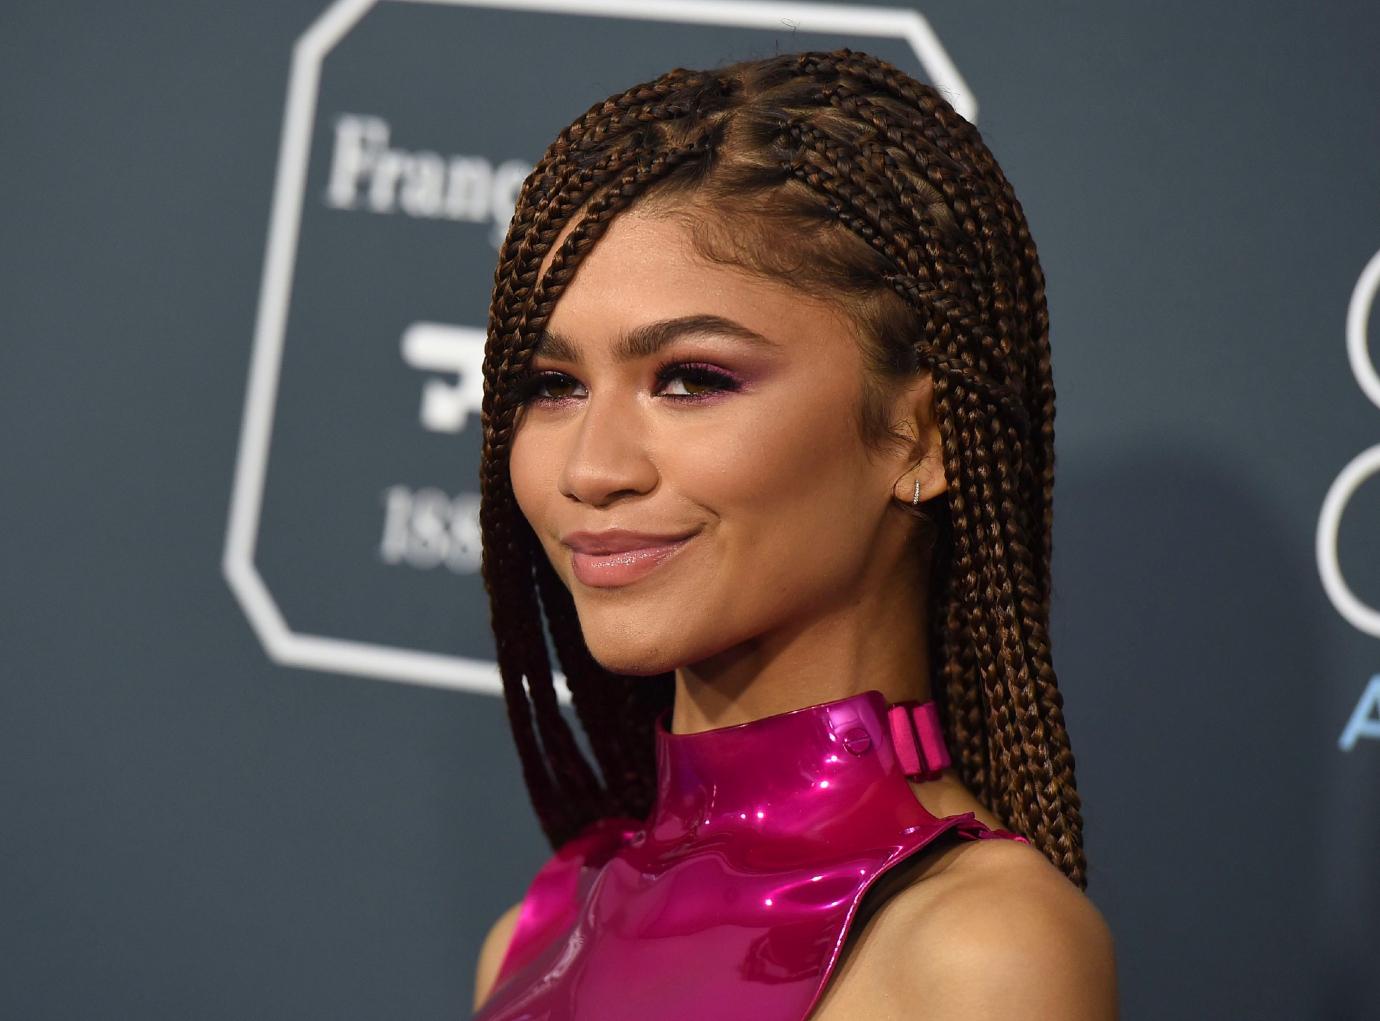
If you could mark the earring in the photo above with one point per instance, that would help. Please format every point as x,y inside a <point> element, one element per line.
<point>913,506</point>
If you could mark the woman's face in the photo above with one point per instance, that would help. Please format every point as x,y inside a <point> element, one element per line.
<point>713,410</point>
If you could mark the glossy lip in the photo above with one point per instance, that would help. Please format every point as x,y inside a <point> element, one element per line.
<point>619,557</point>
<point>618,540</point>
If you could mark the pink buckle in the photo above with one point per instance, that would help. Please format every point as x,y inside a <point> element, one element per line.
<point>918,739</point>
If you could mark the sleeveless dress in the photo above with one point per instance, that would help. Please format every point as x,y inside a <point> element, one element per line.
<point>734,897</point>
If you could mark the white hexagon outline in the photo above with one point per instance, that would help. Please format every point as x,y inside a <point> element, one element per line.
<point>341,655</point>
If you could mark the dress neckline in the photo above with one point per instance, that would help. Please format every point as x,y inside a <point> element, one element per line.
<point>832,771</point>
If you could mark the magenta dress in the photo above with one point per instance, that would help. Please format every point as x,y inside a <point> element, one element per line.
<point>733,898</point>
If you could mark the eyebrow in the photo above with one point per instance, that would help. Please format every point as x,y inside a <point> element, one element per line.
<point>646,340</point>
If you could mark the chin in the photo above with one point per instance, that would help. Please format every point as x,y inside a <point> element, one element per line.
<point>634,649</point>
<point>636,659</point>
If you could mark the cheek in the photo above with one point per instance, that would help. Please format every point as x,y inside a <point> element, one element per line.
<point>778,480</point>
<point>522,472</point>
<point>804,450</point>
<point>533,477</point>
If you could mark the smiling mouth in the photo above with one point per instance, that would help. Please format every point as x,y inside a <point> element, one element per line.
<point>610,570</point>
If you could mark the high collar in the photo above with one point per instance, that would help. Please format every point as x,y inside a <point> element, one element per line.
<point>827,772</point>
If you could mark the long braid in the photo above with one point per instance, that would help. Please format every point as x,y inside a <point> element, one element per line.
<point>885,177</point>
<point>508,564</point>
<point>572,796</point>
<point>1043,744</point>
<point>870,223</point>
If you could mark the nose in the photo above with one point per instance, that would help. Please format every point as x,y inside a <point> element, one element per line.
<point>607,457</point>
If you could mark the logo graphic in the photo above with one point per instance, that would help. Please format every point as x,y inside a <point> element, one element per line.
<point>1365,719</point>
<point>353,539</point>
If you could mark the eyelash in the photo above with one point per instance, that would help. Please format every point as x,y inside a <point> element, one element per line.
<point>693,372</point>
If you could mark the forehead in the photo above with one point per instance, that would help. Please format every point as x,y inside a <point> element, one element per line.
<point>645,268</point>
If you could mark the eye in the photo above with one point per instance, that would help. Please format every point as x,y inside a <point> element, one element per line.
<point>533,388</point>
<point>683,382</point>
<point>697,380</point>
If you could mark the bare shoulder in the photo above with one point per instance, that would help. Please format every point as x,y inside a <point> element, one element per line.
<point>492,951</point>
<point>990,929</point>
<point>1001,932</point>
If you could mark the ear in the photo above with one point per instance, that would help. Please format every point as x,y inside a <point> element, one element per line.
<point>925,457</point>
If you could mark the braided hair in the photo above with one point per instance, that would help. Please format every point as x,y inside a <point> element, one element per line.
<point>837,171</point>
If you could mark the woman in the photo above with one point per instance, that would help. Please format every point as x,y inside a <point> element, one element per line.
<point>768,443</point>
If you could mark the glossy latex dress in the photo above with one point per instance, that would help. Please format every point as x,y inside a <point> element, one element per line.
<point>733,898</point>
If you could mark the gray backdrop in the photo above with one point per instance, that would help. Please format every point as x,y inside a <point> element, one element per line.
<point>251,761</point>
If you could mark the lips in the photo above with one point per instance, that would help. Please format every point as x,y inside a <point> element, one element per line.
<point>619,540</point>
<point>620,557</point>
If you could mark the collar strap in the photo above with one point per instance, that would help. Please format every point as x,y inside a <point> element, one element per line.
<point>918,739</point>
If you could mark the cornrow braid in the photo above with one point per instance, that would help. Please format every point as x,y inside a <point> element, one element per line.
<point>839,172</point>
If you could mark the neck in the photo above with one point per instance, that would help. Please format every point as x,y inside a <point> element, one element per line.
<point>873,638</point>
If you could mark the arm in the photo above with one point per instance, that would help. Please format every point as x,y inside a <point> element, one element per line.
<point>491,954</point>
